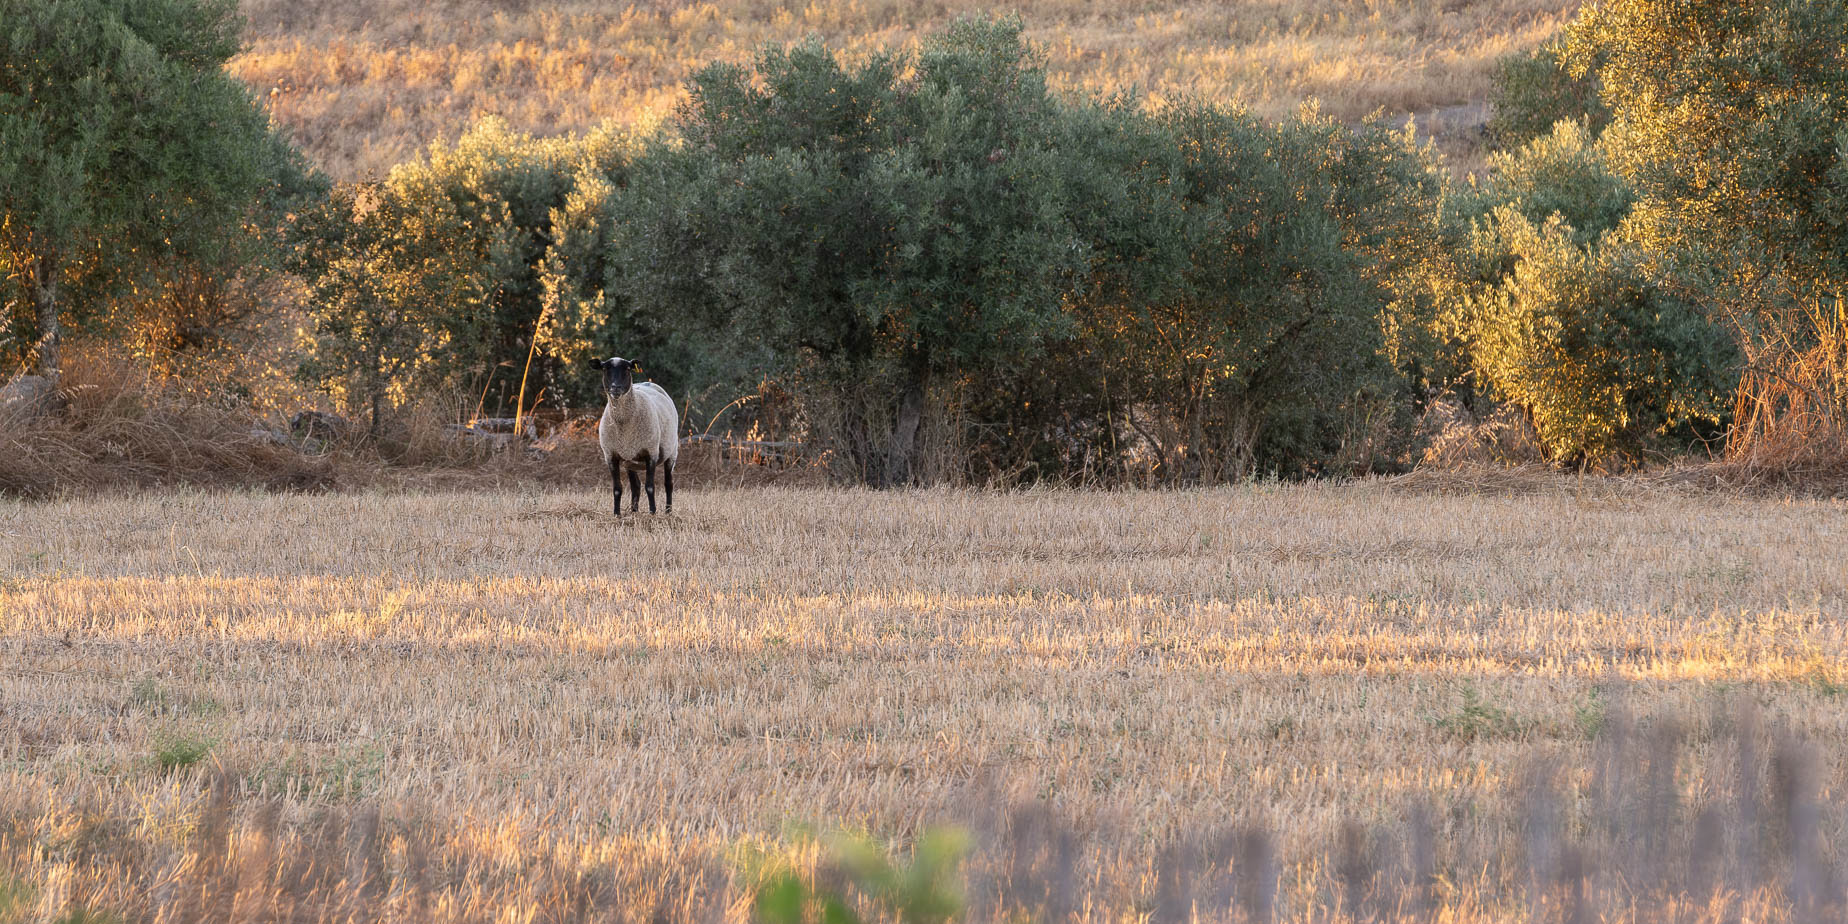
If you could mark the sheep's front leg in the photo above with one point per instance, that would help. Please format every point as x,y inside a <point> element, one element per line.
<point>616,482</point>
<point>651,465</point>
<point>667,475</point>
<point>635,492</point>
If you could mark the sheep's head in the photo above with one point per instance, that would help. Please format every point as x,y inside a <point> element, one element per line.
<point>618,375</point>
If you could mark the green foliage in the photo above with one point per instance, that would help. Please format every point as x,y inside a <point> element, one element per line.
<point>1820,679</point>
<point>1561,315</point>
<point>148,696</point>
<point>1297,249</point>
<point>385,284</point>
<point>1728,120</point>
<point>925,891</point>
<point>510,192</point>
<point>128,157</point>
<point>1561,172</point>
<point>15,896</point>
<point>176,751</point>
<point>352,772</point>
<point>1476,720</point>
<point>928,236</point>
<point>1059,415</point>
<point>1264,297</point>
<point>899,222</point>
<point>1388,202</point>
<point>1077,281</point>
<point>1535,91</point>
<point>440,278</point>
<point>1591,715</point>
<point>586,309</point>
<point>1600,357</point>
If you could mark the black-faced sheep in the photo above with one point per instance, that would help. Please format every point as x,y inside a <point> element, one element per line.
<point>640,429</point>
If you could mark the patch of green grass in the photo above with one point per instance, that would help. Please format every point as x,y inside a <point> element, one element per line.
<point>148,696</point>
<point>1477,720</point>
<point>927,890</point>
<point>1819,679</point>
<point>350,774</point>
<point>14,897</point>
<point>177,751</point>
<point>1589,715</point>
<point>86,916</point>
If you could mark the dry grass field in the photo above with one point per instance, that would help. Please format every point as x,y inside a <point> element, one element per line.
<point>561,714</point>
<point>366,84</point>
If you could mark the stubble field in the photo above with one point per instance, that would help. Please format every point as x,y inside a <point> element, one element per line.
<point>509,706</point>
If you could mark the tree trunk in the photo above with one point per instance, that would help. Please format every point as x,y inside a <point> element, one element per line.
<point>376,379</point>
<point>45,293</point>
<point>859,443</point>
<point>900,453</point>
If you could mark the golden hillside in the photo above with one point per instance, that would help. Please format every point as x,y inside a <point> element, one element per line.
<point>366,84</point>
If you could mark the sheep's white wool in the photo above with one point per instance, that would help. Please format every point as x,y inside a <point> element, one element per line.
<point>641,424</point>
<point>639,432</point>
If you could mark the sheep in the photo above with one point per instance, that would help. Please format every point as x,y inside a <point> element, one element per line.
<point>640,428</point>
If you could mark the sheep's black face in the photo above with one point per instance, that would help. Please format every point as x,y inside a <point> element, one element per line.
<point>618,376</point>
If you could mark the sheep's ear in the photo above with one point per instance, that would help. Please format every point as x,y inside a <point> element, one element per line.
<point>598,363</point>
<point>635,364</point>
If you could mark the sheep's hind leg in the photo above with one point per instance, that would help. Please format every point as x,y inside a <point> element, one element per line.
<point>616,482</point>
<point>667,475</point>
<point>635,491</point>
<point>651,466</point>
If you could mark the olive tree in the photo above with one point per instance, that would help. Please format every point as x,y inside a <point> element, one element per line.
<point>459,271</point>
<point>1563,317</point>
<point>384,283</point>
<point>885,226</point>
<point>1299,247</point>
<point>1728,118</point>
<point>1601,357</point>
<point>124,148</point>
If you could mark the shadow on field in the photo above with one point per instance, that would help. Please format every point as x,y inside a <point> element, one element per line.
<point>652,522</point>
<point>1656,826</point>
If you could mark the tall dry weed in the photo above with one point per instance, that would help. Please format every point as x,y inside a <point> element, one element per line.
<point>1790,417</point>
<point>120,426</point>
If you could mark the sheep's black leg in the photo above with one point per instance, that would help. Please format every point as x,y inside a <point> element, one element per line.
<point>635,491</point>
<point>651,464</point>
<point>616,483</point>
<point>667,475</point>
